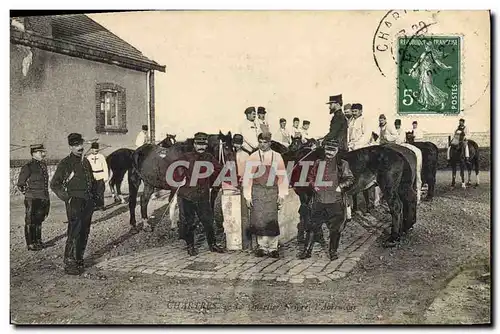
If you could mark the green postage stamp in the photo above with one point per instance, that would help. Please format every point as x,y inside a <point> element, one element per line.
<point>429,75</point>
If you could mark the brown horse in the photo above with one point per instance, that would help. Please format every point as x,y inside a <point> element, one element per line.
<point>457,156</point>
<point>150,164</point>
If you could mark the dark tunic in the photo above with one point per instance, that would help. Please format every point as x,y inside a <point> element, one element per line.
<point>338,172</point>
<point>34,180</point>
<point>201,190</point>
<point>73,178</point>
<point>338,129</point>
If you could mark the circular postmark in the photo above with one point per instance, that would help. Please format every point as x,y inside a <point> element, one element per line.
<point>428,66</point>
<point>393,25</point>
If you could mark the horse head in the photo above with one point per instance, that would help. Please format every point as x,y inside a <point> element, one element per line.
<point>168,141</point>
<point>224,141</point>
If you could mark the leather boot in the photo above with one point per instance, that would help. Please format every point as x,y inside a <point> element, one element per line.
<point>300,232</point>
<point>308,246</point>
<point>38,236</point>
<point>189,237</point>
<point>334,245</point>
<point>212,244</point>
<point>30,236</point>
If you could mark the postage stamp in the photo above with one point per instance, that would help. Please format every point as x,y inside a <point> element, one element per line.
<point>429,70</point>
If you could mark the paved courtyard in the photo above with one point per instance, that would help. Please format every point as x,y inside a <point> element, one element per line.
<point>172,260</point>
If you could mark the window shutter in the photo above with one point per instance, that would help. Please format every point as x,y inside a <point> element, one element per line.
<point>99,109</point>
<point>122,108</point>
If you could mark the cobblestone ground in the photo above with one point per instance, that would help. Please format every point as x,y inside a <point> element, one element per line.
<point>172,260</point>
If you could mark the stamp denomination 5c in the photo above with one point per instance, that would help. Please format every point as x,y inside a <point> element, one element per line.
<point>429,75</point>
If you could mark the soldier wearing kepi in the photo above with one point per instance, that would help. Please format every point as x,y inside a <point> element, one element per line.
<point>194,196</point>
<point>73,182</point>
<point>33,182</point>
<point>328,200</point>
<point>100,170</point>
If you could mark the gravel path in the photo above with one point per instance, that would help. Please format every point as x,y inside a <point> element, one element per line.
<point>387,286</point>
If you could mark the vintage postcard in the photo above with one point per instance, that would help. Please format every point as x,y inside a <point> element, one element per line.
<point>250,167</point>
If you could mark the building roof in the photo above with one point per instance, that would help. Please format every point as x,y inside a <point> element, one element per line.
<point>85,33</point>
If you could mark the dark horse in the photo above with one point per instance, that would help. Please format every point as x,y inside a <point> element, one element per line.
<point>392,167</point>
<point>429,163</point>
<point>457,155</point>
<point>120,162</point>
<point>150,164</point>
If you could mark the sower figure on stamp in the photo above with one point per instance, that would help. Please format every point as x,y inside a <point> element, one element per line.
<point>329,200</point>
<point>73,183</point>
<point>461,134</point>
<point>33,182</point>
<point>338,124</point>
<point>100,170</point>
<point>265,187</point>
<point>194,196</point>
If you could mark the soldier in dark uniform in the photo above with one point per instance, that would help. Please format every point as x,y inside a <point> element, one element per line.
<point>328,201</point>
<point>73,182</point>
<point>195,199</point>
<point>33,182</point>
<point>338,124</point>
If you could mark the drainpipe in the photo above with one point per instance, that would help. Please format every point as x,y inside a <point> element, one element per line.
<point>151,104</point>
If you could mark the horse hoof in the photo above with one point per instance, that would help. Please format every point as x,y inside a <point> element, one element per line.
<point>148,228</point>
<point>464,186</point>
<point>134,229</point>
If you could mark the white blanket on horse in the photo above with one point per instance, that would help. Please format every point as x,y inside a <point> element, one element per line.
<point>418,172</point>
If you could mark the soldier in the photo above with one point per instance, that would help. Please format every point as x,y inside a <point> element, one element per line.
<point>100,170</point>
<point>328,201</point>
<point>295,128</point>
<point>305,130</point>
<point>387,134</point>
<point>264,196</point>
<point>33,182</point>
<point>249,130</point>
<point>401,134</point>
<point>463,133</point>
<point>338,124</point>
<point>262,124</point>
<point>282,136</point>
<point>357,132</point>
<point>418,135</point>
<point>195,198</point>
<point>142,137</point>
<point>73,182</point>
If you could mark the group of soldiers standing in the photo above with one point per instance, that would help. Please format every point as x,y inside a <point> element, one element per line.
<point>80,180</point>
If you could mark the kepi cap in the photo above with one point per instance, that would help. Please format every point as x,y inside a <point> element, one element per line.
<point>75,139</point>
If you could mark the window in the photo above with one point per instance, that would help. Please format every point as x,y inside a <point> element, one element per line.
<point>110,108</point>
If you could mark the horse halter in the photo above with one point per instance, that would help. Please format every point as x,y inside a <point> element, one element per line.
<point>222,157</point>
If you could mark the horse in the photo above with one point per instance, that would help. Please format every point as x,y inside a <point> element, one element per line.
<point>429,163</point>
<point>120,162</point>
<point>393,168</point>
<point>150,164</point>
<point>457,155</point>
